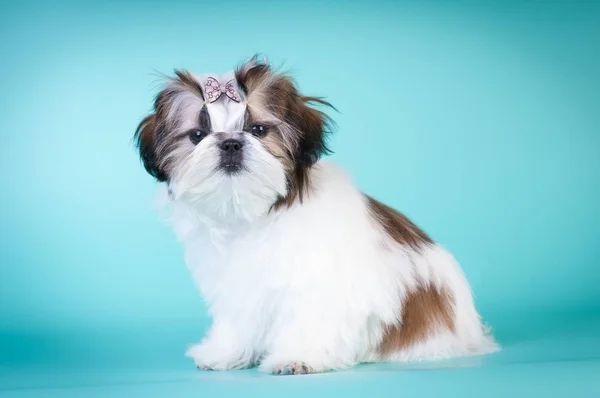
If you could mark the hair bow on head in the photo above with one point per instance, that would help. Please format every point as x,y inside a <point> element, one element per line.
<point>214,90</point>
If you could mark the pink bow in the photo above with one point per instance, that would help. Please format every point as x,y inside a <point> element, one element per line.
<point>214,90</point>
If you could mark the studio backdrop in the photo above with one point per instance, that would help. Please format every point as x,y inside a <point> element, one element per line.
<point>479,121</point>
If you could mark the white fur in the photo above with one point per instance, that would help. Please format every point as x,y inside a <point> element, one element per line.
<point>312,283</point>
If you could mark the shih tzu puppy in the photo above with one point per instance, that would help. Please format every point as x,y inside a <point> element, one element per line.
<point>300,270</point>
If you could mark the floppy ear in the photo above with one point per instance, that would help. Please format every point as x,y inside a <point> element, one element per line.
<point>145,138</point>
<point>315,126</point>
<point>312,127</point>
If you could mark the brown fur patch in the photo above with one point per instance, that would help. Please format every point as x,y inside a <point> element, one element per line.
<point>145,137</point>
<point>425,311</point>
<point>398,226</point>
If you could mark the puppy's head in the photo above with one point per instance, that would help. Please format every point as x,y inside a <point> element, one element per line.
<point>236,145</point>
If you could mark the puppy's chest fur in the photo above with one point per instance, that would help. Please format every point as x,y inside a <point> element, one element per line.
<point>326,252</point>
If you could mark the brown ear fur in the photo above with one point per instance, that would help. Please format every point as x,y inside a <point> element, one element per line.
<point>145,138</point>
<point>313,127</point>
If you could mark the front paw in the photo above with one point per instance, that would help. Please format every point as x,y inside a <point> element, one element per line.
<point>285,365</point>
<point>210,357</point>
<point>292,368</point>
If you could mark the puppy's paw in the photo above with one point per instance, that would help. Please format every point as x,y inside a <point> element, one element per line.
<point>208,357</point>
<point>284,365</point>
<point>292,368</point>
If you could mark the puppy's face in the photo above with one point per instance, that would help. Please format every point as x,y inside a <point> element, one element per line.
<point>234,160</point>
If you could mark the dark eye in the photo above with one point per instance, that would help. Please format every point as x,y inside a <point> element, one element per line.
<point>196,136</point>
<point>259,130</point>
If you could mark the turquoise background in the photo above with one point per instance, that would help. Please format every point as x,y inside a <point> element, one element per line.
<point>480,120</point>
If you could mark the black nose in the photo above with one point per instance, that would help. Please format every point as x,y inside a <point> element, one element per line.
<point>231,145</point>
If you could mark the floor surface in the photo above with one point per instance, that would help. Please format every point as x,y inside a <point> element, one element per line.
<point>556,357</point>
